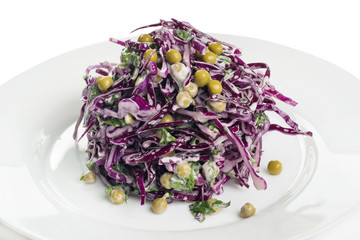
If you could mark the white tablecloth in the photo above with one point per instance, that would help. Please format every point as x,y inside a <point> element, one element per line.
<point>34,31</point>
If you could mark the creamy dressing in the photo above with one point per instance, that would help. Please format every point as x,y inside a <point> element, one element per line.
<point>179,72</point>
<point>210,171</point>
<point>180,158</point>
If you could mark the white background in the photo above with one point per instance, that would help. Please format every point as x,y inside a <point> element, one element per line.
<point>35,31</point>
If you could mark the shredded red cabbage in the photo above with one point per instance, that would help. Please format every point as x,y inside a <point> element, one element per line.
<point>219,146</point>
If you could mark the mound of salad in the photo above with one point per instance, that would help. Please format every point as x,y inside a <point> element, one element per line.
<point>180,116</point>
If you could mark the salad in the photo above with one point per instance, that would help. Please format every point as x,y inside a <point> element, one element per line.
<point>180,116</point>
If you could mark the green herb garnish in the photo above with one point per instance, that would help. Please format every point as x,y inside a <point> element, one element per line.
<point>200,208</point>
<point>184,35</point>
<point>166,137</point>
<point>188,183</point>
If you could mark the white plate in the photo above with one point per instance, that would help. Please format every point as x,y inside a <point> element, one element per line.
<point>40,166</point>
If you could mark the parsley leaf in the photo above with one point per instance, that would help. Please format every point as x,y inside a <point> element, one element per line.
<point>166,137</point>
<point>224,59</point>
<point>260,119</point>
<point>200,208</point>
<point>120,168</point>
<point>188,183</point>
<point>94,92</point>
<point>185,35</point>
<point>129,57</point>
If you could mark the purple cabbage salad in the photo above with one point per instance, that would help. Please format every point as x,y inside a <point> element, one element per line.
<point>181,115</point>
